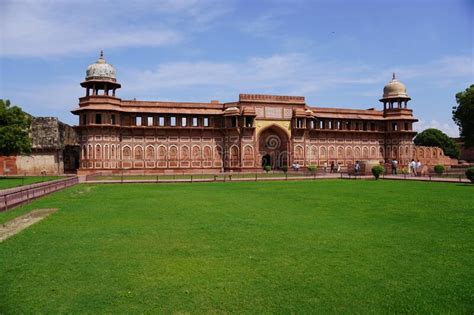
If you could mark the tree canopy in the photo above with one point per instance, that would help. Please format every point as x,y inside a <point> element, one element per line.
<point>463,115</point>
<point>15,126</point>
<point>436,138</point>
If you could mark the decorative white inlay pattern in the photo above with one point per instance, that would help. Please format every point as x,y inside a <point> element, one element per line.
<point>273,112</point>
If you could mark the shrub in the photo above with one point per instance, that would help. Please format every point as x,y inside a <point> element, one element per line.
<point>377,170</point>
<point>267,168</point>
<point>312,168</point>
<point>439,169</point>
<point>470,174</point>
<point>284,168</point>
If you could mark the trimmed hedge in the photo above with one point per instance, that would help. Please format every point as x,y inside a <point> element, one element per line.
<point>439,169</point>
<point>377,170</point>
<point>312,168</point>
<point>470,174</point>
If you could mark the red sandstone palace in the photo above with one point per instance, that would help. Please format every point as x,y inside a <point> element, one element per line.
<point>161,137</point>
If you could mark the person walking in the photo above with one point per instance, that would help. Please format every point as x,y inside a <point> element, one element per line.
<point>332,166</point>
<point>394,167</point>
<point>325,167</point>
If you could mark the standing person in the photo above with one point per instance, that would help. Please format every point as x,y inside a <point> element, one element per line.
<point>338,167</point>
<point>297,166</point>
<point>413,167</point>
<point>394,167</point>
<point>325,167</point>
<point>357,168</point>
<point>418,168</point>
<point>332,166</point>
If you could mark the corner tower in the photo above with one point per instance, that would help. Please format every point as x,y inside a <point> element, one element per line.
<point>99,117</point>
<point>398,122</point>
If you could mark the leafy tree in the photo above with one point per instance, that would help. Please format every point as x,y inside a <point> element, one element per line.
<point>436,138</point>
<point>463,115</point>
<point>14,130</point>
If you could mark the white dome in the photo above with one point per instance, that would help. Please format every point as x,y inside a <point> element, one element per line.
<point>395,89</point>
<point>101,70</point>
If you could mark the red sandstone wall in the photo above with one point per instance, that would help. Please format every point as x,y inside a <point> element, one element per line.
<point>432,156</point>
<point>10,163</point>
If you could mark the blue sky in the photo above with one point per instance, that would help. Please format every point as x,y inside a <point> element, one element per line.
<point>335,53</point>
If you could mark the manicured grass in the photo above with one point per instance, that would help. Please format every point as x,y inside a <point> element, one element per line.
<point>329,246</point>
<point>9,182</point>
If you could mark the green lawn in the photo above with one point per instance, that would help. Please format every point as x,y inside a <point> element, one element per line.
<point>9,182</point>
<point>330,246</point>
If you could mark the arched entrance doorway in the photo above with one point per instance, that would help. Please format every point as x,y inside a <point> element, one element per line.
<point>273,147</point>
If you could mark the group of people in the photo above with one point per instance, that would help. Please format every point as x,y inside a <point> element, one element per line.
<point>414,168</point>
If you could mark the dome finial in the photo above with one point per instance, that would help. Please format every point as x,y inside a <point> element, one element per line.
<point>101,57</point>
<point>393,76</point>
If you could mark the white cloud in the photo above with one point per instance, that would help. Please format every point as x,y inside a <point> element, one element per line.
<point>45,28</point>
<point>448,128</point>
<point>440,70</point>
<point>38,100</point>
<point>264,25</point>
<point>292,73</point>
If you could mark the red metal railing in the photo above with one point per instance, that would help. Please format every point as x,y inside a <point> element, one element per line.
<point>13,197</point>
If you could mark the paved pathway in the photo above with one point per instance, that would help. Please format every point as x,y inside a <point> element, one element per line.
<point>428,178</point>
<point>280,178</point>
<point>20,223</point>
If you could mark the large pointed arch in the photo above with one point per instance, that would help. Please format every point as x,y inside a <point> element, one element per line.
<point>272,141</point>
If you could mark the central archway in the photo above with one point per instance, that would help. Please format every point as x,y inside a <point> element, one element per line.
<point>273,146</point>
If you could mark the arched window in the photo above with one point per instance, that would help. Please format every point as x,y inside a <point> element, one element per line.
<point>126,153</point>
<point>138,153</point>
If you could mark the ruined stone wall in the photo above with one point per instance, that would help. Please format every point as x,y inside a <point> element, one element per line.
<point>49,139</point>
<point>432,155</point>
<point>45,133</point>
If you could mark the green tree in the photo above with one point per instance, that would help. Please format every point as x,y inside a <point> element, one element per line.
<point>14,130</point>
<point>463,115</point>
<point>436,138</point>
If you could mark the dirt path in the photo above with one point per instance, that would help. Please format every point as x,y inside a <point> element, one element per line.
<point>20,223</point>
